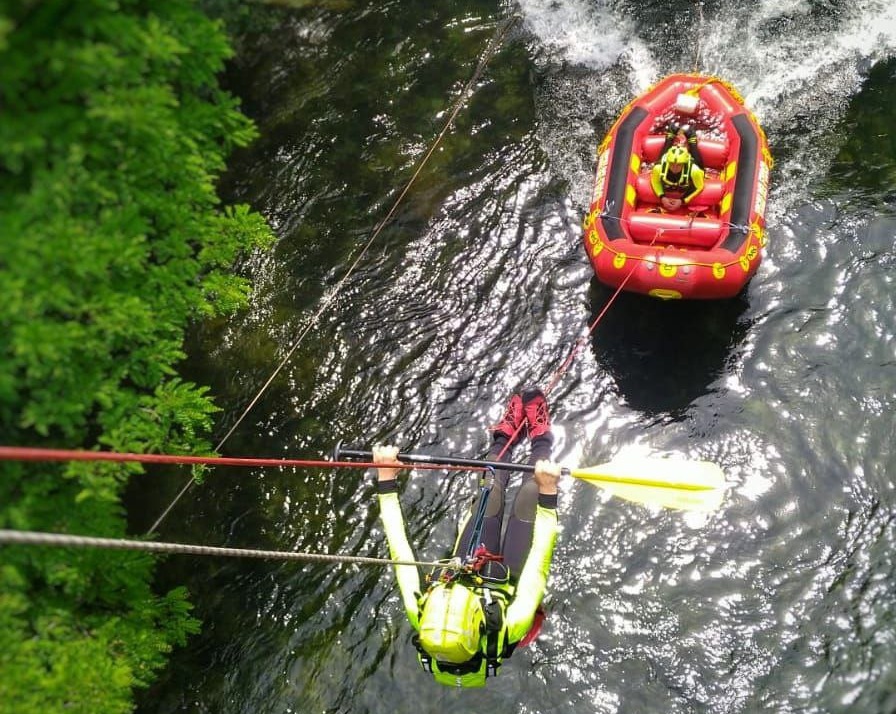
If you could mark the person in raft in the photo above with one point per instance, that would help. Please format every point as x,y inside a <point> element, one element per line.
<point>468,621</point>
<point>678,177</point>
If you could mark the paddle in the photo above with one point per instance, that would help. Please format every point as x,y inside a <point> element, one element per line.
<point>672,483</point>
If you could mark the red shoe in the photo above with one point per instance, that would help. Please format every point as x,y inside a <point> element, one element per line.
<point>535,407</point>
<point>510,423</point>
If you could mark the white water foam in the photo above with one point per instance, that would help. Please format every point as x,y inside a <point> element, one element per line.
<point>798,65</point>
<point>580,33</point>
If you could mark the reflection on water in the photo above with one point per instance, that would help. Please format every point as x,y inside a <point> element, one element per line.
<point>664,354</point>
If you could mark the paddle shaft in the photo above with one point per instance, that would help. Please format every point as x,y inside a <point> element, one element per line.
<point>603,478</point>
<point>341,453</point>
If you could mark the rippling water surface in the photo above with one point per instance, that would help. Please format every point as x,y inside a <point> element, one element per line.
<point>783,599</point>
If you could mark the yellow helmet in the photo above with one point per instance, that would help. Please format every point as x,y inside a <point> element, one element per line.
<point>451,623</point>
<point>677,155</point>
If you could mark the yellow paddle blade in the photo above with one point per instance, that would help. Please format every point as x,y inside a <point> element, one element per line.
<point>671,483</point>
<point>669,497</point>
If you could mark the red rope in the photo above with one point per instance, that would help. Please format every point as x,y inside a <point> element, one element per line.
<point>19,453</point>
<point>482,555</point>
<point>577,347</point>
<point>580,343</point>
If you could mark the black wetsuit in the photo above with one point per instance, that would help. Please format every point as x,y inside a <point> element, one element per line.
<point>517,540</point>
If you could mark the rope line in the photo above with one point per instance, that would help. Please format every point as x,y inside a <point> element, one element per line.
<point>19,453</point>
<point>495,42</point>
<point>580,343</point>
<point>699,34</point>
<point>62,540</point>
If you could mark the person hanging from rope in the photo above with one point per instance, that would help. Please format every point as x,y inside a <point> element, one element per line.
<point>678,177</point>
<point>469,619</point>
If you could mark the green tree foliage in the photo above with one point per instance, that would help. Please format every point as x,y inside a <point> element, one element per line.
<point>113,130</point>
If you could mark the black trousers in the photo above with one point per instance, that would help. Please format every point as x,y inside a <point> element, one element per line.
<point>517,537</point>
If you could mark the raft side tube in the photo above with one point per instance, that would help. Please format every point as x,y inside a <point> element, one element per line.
<point>720,99</point>
<point>614,200</point>
<point>744,183</point>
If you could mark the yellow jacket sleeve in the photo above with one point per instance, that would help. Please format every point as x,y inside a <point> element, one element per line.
<point>697,176</point>
<point>533,580</point>
<point>656,182</point>
<point>399,549</point>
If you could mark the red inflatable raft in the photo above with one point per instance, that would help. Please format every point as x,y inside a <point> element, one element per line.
<point>707,249</point>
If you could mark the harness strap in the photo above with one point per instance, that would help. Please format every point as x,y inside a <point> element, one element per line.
<point>494,627</point>
<point>422,654</point>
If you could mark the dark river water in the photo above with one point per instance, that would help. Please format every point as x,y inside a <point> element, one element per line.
<point>782,600</point>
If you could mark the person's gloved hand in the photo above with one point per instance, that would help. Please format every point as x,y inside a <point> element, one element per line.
<point>671,204</point>
<point>689,132</point>
<point>385,455</point>
<point>547,473</point>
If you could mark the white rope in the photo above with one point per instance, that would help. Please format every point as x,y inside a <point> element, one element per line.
<point>63,540</point>
<point>490,50</point>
